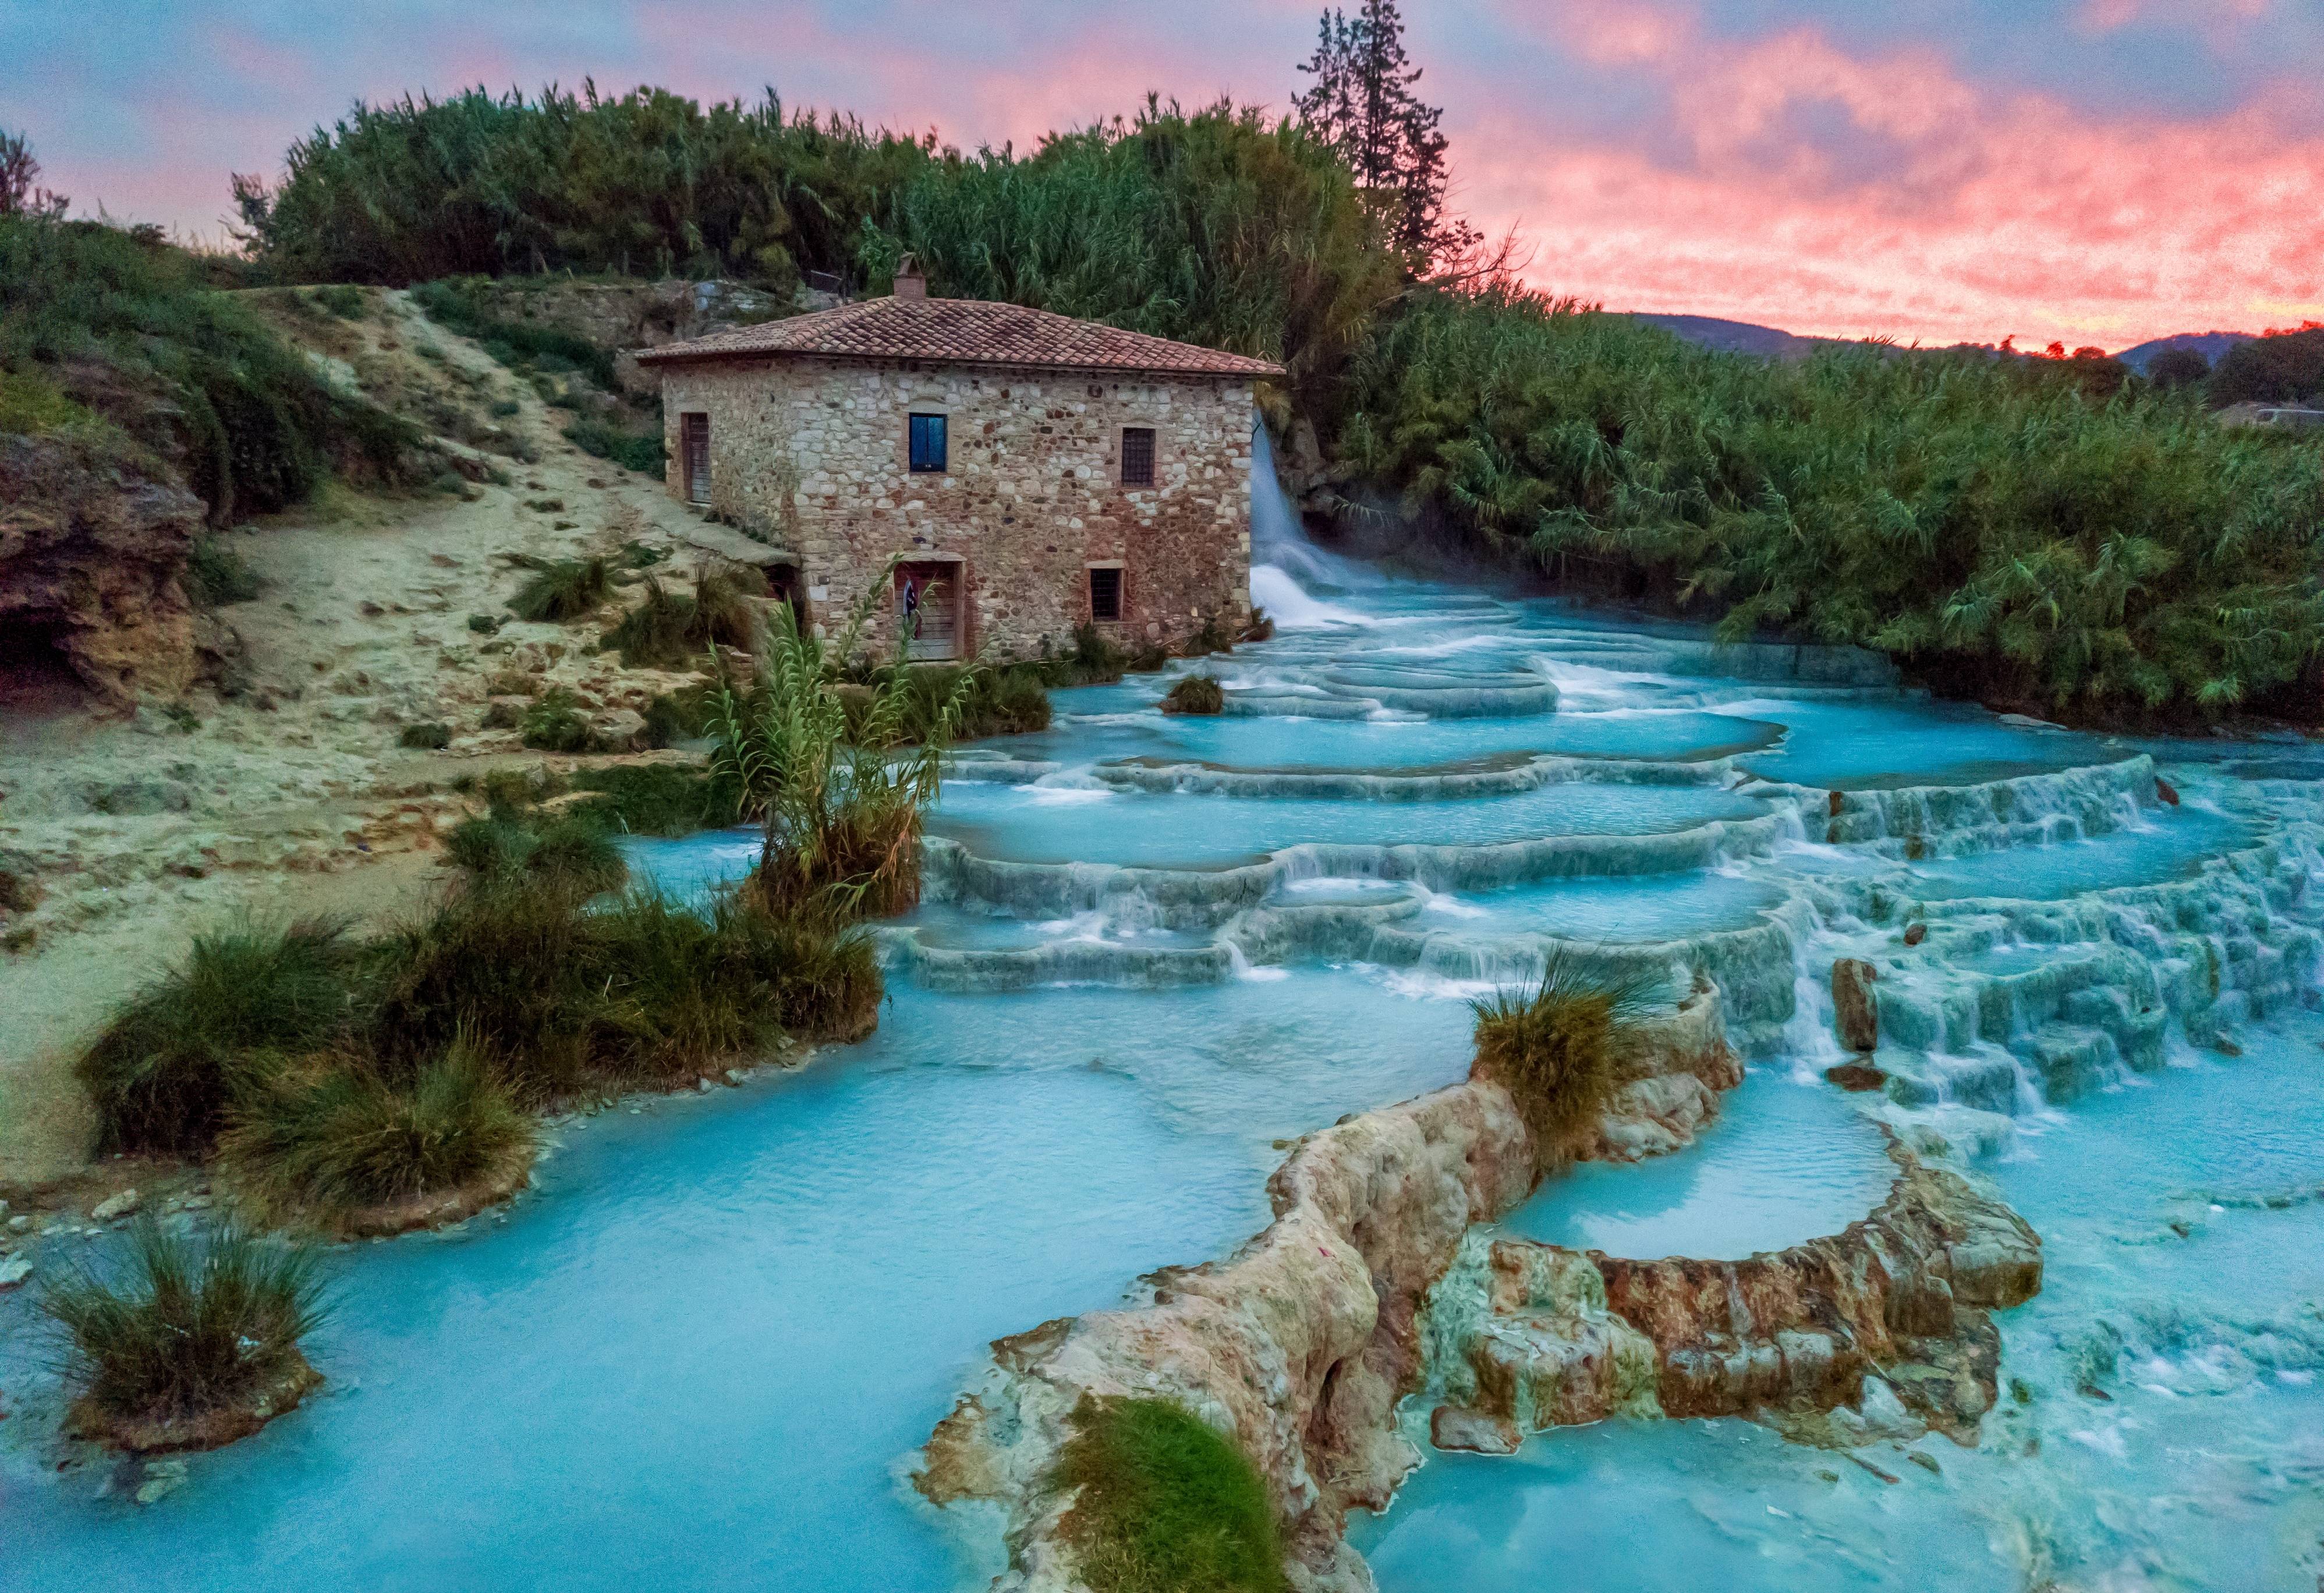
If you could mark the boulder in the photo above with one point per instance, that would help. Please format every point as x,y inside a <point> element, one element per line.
<point>115,1207</point>
<point>1855,1013</point>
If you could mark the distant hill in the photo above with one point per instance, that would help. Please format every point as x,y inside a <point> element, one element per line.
<point>1735,336</point>
<point>2210,345</point>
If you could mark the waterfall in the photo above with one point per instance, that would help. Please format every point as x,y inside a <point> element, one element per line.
<point>1287,570</point>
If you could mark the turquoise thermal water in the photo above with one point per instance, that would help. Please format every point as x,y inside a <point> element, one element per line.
<point>700,1352</point>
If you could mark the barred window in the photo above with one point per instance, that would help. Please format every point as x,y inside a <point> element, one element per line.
<point>1137,455</point>
<point>1105,593</point>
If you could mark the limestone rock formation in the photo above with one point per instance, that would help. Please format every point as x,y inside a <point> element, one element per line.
<point>1302,1343</point>
<point>1855,1012</point>
<point>90,557</point>
<point>1541,1336</point>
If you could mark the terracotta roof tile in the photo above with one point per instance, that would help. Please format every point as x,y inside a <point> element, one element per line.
<point>962,331</point>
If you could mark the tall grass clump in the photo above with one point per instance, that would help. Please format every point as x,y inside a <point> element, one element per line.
<point>333,1142</point>
<point>1195,694</point>
<point>564,589</point>
<point>1556,1047</point>
<point>195,1326</point>
<point>669,629</point>
<point>165,1070</point>
<point>1161,1501</point>
<point>838,788</point>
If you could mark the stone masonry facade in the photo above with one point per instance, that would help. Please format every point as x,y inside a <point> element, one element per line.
<point>811,452</point>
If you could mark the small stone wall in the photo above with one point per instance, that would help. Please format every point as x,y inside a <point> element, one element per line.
<point>811,454</point>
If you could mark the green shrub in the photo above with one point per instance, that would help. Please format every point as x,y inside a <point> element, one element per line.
<point>163,1071</point>
<point>217,575</point>
<point>556,724</point>
<point>984,701</point>
<point>563,589</point>
<point>1162,1502</point>
<point>484,624</point>
<point>432,735</point>
<point>506,965</point>
<point>1195,693</point>
<point>197,1325</point>
<point>667,722</point>
<point>653,798</point>
<point>575,847</point>
<point>629,449</point>
<point>345,1137</point>
<point>458,305</point>
<point>342,300</point>
<point>1095,660</point>
<point>1555,1047</point>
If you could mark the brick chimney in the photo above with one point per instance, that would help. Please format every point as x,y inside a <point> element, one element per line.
<point>910,282</point>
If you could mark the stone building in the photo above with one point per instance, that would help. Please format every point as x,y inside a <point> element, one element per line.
<point>1036,473</point>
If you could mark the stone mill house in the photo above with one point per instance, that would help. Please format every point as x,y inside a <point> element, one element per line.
<point>1036,473</point>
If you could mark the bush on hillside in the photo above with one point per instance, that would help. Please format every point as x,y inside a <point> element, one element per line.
<point>125,326</point>
<point>2280,368</point>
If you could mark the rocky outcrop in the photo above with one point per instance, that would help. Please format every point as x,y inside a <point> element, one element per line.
<point>90,559</point>
<point>1528,1336</point>
<point>1855,1013</point>
<point>1302,1343</point>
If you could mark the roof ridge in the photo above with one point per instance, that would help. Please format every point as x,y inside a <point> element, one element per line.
<point>963,331</point>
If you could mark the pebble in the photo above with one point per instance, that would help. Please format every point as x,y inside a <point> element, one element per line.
<point>1928,1461</point>
<point>163,1478</point>
<point>734,1075</point>
<point>22,1222</point>
<point>113,1207</point>
<point>14,1270</point>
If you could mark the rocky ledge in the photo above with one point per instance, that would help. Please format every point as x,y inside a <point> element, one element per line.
<point>1526,1335</point>
<point>1301,1343</point>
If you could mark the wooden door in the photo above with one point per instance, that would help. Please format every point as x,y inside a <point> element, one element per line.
<point>929,607</point>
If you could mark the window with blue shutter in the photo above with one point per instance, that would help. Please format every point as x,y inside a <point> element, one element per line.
<point>928,445</point>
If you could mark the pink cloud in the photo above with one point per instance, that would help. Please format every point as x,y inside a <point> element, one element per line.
<point>1836,194</point>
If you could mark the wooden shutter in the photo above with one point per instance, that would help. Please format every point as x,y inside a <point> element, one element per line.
<point>694,448</point>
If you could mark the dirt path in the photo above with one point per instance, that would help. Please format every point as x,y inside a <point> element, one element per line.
<point>292,795</point>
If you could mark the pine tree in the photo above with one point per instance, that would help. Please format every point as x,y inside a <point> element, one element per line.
<point>1362,102</point>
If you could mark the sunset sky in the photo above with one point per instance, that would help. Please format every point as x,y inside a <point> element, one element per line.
<point>2091,170</point>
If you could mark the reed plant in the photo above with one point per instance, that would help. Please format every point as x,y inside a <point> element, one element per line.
<point>837,788</point>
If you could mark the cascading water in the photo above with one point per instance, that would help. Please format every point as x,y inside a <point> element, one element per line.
<point>1154,946</point>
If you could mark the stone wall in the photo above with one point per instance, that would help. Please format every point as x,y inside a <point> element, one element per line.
<point>811,455</point>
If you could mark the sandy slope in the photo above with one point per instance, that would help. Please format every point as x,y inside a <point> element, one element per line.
<point>294,797</point>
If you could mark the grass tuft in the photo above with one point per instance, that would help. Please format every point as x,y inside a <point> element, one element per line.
<point>1163,1503</point>
<point>162,1073</point>
<point>563,589</point>
<point>344,1138</point>
<point>556,724</point>
<point>1554,1046</point>
<point>197,1325</point>
<point>431,735</point>
<point>1195,693</point>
